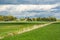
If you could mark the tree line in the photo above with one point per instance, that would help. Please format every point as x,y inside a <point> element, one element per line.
<point>7,18</point>
<point>39,19</point>
<point>12,18</point>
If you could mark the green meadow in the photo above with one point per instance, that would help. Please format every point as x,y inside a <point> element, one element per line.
<point>9,27</point>
<point>49,32</point>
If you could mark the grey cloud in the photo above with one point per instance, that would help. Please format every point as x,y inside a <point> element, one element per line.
<point>29,1</point>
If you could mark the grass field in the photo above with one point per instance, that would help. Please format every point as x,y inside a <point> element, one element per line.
<point>9,27</point>
<point>50,32</point>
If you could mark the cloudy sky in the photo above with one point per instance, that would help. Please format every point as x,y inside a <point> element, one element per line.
<point>30,8</point>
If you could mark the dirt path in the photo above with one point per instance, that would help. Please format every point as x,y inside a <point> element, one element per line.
<point>33,27</point>
<point>25,30</point>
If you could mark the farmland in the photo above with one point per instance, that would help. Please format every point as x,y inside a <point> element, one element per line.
<point>49,32</point>
<point>9,27</point>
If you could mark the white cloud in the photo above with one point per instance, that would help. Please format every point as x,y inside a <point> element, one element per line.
<point>34,7</point>
<point>5,7</point>
<point>18,9</point>
<point>27,7</point>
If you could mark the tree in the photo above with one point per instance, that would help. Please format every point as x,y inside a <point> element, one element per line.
<point>1,18</point>
<point>28,19</point>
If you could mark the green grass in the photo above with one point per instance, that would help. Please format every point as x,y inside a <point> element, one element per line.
<point>50,32</point>
<point>24,22</point>
<point>7,27</point>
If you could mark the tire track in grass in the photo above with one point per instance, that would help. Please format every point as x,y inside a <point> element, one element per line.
<point>25,30</point>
